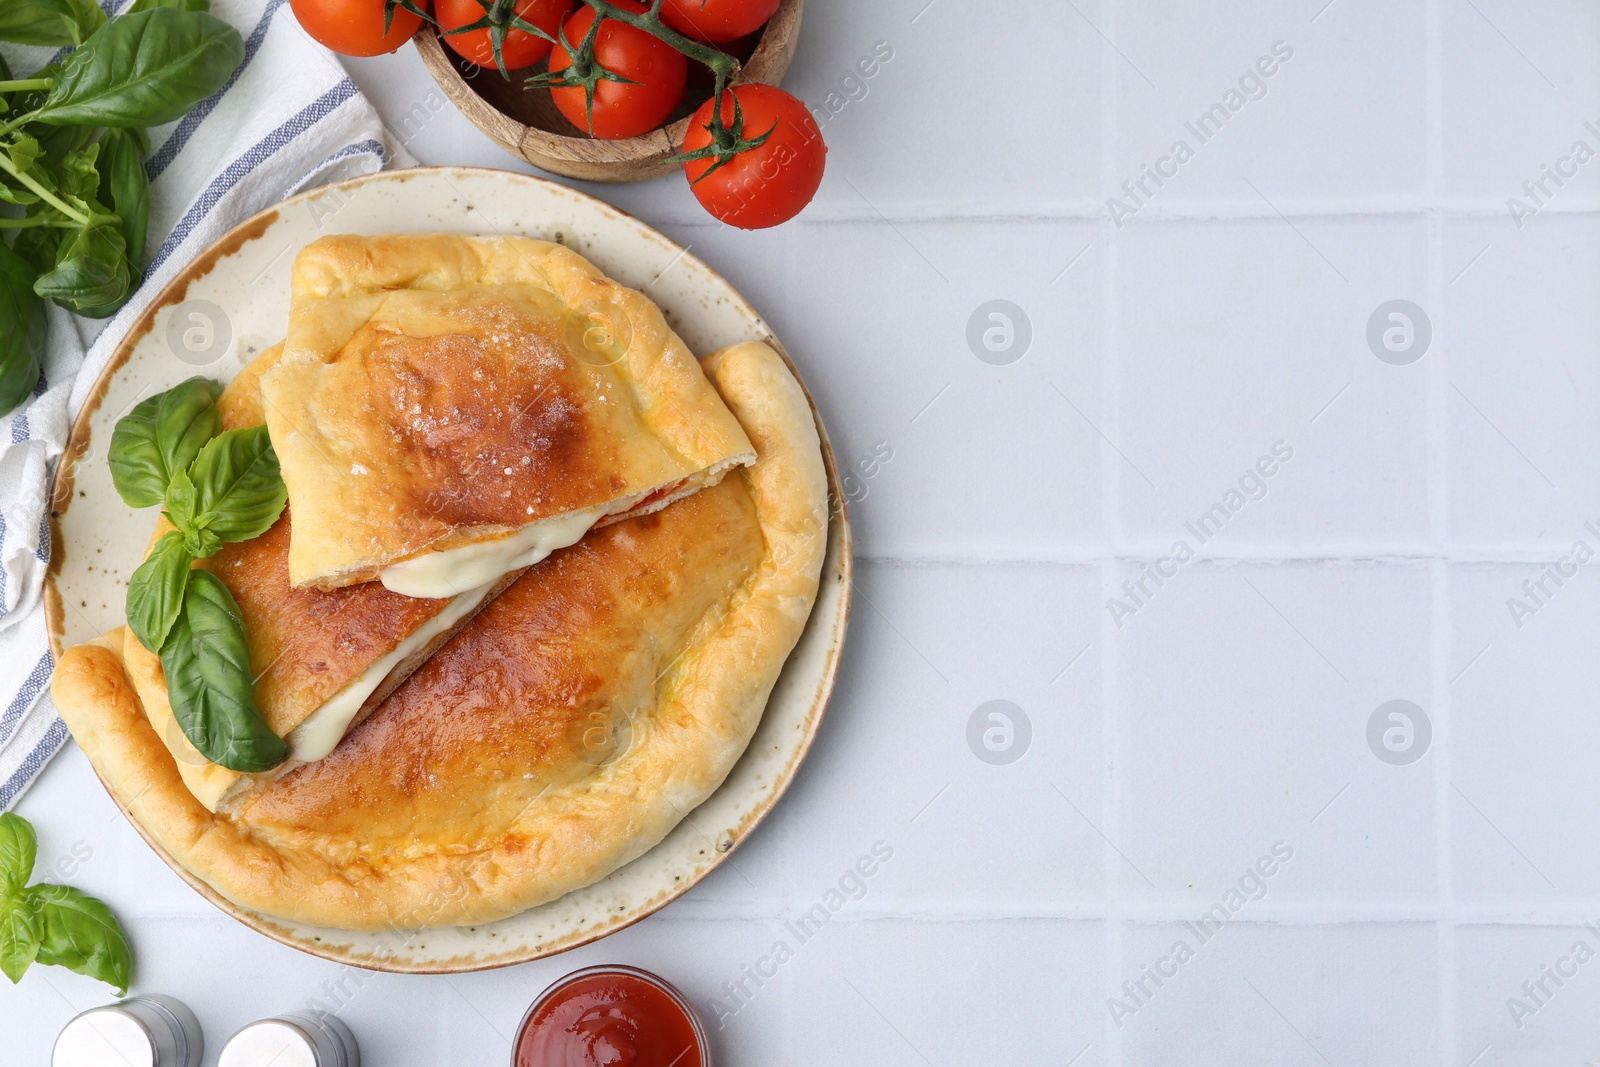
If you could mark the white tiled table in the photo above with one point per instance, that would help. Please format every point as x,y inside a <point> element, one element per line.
<point>1228,713</point>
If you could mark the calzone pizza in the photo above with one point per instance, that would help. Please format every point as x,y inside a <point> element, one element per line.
<point>452,408</point>
<point>560,733</point>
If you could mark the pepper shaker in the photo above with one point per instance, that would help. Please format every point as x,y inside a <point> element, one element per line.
<point>147,1031</point>
<point>295,1039</point>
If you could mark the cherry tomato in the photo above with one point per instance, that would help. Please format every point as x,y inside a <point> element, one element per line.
<point>519,48</point>
<point>620,109</point>
<point>718,21</point>
<point>355,27</point>
<point>763,186</point>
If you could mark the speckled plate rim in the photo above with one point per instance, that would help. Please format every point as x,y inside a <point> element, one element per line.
<point>836,592</point>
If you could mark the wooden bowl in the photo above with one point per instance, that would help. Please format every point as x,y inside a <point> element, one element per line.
<point>525,122</point>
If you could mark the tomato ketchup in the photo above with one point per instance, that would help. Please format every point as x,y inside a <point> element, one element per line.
<point>611,1017</point>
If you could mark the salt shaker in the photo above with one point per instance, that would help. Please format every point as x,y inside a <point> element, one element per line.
<point>147,1031</point>
<point>296,1039</point>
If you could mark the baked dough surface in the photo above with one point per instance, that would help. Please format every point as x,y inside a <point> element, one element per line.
<point>440,390</point>
<point>560,734</point>
<point>305,644</point>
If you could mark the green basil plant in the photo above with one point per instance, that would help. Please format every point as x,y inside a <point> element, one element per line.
<point>56,925</point>
<point>74,198</point>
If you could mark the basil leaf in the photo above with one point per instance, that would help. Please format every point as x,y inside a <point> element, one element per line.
<point>183,511</point>
<point>241,493</point>
<point>58,142</point>
<point>209,682</point>
<point>81,934</point>
<point>22,329</point>
<point>21,931</point>
<point>160,437</point>
<point>183,502</point>
<point>37,246</point>
<point>155,593</point>
<point>23,150</point>
<point>18,848</point>
<point>181,5</point>
<point>16,194</point>
<point>125,187</point>
<point>144,69</point>
<point>48,23</point>
<point>91,275</point>
<point>88,16</point>
<point>79,178</point>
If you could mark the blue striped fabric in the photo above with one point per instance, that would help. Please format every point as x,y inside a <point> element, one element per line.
<point>162,158</point>
<point>33,763</point>
<point>25,697</point>
<point>369,147</point>
<point>240,168</point>
<point>288,118</point>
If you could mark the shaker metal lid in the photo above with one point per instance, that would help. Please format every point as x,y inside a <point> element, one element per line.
<point>275,1041</point>
<point>147,1031</point>
<point>299,1039</point>
<point>105,1035</point>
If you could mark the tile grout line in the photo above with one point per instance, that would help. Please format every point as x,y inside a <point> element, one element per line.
<point>1150,914</point>
<point>1111,524</point>
<point>1317,207</point>
<point>1439,519</point>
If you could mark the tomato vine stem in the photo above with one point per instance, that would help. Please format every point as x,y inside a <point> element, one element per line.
<point>727,140</point>
<point>721,64</point>
<point>499,18</point>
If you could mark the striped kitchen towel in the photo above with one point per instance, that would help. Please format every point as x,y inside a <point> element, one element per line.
<point>289,119</point>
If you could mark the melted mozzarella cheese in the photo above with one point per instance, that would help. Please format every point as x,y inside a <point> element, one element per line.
<point>435,575</point>
<point>324,728</point>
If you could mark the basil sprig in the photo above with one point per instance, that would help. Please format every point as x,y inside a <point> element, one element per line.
<point>216,487</point>
<point>74,198</point>
<point>56,925</point>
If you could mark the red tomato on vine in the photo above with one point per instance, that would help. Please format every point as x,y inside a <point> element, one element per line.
<point>718,21</point>
<point>763,185</point>
<point>518,47</point>
<point>657,71</point>
<point>355,27</point>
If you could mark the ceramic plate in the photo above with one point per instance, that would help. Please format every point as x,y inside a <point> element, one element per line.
<point>233,302</point>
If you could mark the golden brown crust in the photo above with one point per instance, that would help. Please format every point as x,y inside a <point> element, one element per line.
<point>439,390</point>
<point>666,632</point>
<point>555,679</point>
<point>305,644</point>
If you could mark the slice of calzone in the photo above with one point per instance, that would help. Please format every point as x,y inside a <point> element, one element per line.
<point>323,659</point>
<point>450,409</point>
